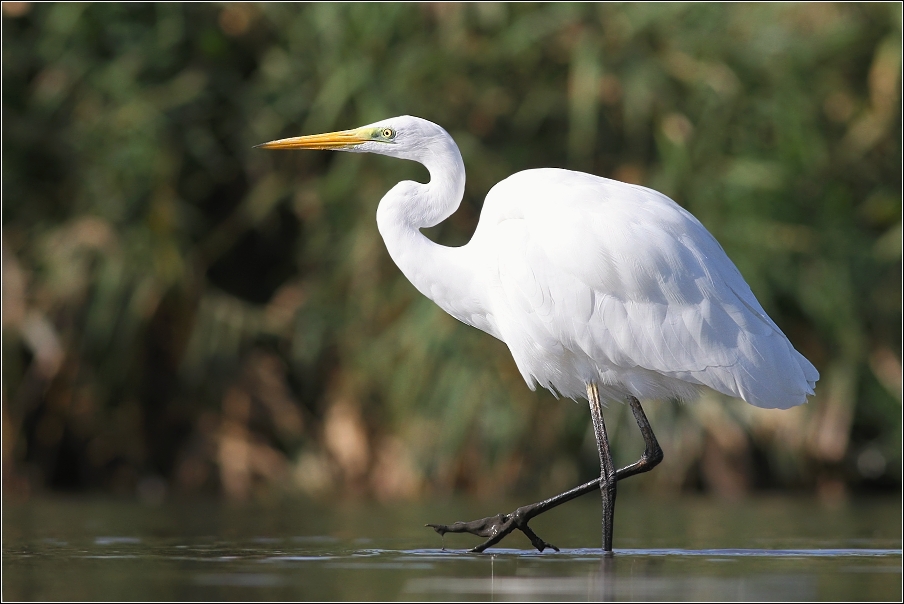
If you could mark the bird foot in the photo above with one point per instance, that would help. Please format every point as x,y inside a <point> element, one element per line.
<point>495,528</point>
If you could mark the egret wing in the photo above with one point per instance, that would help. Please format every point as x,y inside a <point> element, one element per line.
<point>602,272</point>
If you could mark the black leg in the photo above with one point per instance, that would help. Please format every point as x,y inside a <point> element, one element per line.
<point>652,452</point>
<point>608,481</point>
<point>495,528</point>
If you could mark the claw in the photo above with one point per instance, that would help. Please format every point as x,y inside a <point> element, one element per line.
<point>535,540</point>
<point>485,527</point>
<point>441,529</point>
<point>495,528</point>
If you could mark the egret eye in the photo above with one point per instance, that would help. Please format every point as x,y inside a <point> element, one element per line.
<point>387,133</point>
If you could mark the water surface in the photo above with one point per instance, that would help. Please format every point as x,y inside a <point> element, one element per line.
<point>685,549</point>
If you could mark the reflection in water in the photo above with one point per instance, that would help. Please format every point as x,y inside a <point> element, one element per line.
<point>603,587</point>
<point>102,551</point>
<point>115,540</point>
<point>609,583</point>
<point>240,580</point>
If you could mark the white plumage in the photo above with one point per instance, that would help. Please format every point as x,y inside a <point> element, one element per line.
<point>598,280</point>
<point>601,290</point>
<point>586,279</point>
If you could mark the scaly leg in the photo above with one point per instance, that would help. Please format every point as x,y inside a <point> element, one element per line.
<point>495,528</point>
<point>608,481</point>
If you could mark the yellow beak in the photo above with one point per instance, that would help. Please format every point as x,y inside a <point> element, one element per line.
<point>344,139</point>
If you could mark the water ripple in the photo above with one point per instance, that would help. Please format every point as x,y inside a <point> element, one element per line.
<point>422,555</point>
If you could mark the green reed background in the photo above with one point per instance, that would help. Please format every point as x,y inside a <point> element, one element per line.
<point>184,313</point>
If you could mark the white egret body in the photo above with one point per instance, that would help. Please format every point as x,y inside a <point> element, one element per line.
<point>590,282</point>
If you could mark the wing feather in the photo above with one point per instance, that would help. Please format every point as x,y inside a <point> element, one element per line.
<point>615,279</point>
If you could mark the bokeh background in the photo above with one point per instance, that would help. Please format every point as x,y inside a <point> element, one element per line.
<point>185,314</point>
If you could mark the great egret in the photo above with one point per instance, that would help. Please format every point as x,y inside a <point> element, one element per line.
<point>601,290</point>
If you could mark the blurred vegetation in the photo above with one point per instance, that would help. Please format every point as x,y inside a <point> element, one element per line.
<point>184,313</point>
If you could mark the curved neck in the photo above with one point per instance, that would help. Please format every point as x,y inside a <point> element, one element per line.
<point>425,205</point>
<point>440,273</point>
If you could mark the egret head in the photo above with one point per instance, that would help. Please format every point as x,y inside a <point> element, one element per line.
<point>406,137</point>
